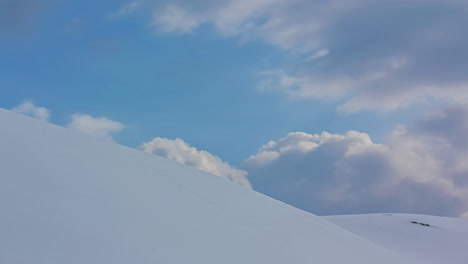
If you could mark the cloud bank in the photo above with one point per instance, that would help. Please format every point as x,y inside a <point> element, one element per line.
<point>422,169</point>
<point>374,55</point>
<point>182,152</point>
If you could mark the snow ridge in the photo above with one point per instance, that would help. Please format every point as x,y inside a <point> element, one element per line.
<point>70,198</point>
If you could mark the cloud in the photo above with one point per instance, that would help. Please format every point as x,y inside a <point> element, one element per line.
<point>92,126</point>
<point>182,152</point>
<point>422,169</point>
<point>381,55</point>
<point>175,19</point>
<point>319,54</point>
<point>126,9</point>
<point>29,109</point>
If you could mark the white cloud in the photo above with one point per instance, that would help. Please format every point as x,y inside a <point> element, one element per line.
<point>28,108</point>
<point>422,169</point>
<point>126,9</point>
<point>299,88</point>
<point>182,152</point>
<point>230,17</point>
<point>319,54</point>
<point>92,126</point>
<point>175,19</point>
<point>396,53</point>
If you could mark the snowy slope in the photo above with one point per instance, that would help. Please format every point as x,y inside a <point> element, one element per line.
<point>69,198</point>
<point>445,240</point>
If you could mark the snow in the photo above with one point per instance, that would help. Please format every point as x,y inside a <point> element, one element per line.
<point>445,240</point>
<point>71,198</point>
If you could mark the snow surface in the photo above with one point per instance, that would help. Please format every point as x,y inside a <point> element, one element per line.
<point>70,198</point>
<point>445,240</point>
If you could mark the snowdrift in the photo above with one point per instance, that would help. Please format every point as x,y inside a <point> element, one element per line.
<point>70,198</point>
<point>429,239</point>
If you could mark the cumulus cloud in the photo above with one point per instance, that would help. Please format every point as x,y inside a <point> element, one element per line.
<point>422,169</point>
<point>182,152</point>
<point>28,108</point>
<point>95,126</point>
<point>395,53</point>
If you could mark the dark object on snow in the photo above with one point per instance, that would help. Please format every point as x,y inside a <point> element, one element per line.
<point>414,222</point>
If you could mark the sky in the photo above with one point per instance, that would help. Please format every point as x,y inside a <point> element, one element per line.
<point>335,107</point>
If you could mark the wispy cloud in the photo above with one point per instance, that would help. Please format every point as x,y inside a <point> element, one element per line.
<point>396,53</point>
<point>126,9</point>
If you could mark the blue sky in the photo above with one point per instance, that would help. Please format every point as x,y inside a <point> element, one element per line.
<point>229,76</point>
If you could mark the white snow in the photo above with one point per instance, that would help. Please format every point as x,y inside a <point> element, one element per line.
<point>445,240</point>
<point>70,198</point>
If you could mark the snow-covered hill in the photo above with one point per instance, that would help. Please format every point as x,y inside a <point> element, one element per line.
<point>70,198</point>
<point>430,239</point>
